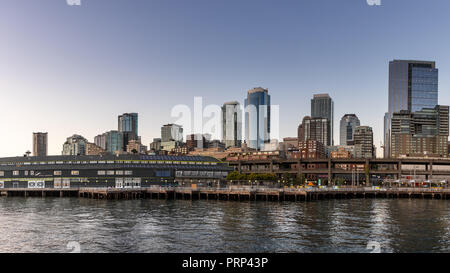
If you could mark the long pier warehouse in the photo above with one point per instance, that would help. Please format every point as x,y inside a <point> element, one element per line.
<point>181,177</point>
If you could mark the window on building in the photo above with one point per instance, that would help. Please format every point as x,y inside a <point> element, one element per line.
<point>57,172</point>
<point>75,172</point>
<point>2,173</point>
<point>15,172</point>
<point>110,172</point>
<point>101,172</point>
<point>119,172</point>
<point>128,172</point>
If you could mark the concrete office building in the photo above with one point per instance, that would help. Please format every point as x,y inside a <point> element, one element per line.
<point>232,124</point>
<point>315,129</point>
<point>364,142</point>
<point>421,133</point>
<point>75,145</point>
<point>40,144</point>
<point>171,132</point>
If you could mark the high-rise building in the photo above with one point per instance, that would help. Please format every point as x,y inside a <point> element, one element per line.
<point>40,144</point>
<point>257,118</point>
<point>127,137</point>
<point>232,124</point>
<point>363,137</point>
<point>322,106</point>
<point>420,133</point>
<point>75,145</point>
<point>100,141</point>
<point>171,132</point>
<point>114,141</point>
<point>347,129</point>
<point>128,122</point>
<point>315,129</point>
<point>413,85</point>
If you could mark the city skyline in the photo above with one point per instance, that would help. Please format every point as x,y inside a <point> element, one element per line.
<point>50,86</point>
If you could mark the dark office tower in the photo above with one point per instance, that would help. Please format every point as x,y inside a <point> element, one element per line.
<point>413,85</point>
<point>322,106</point>
<point>317,129</point>
<point>40,144</point>
<point>364,142</point>
<point>257,118</point>
<point>347,129</point>
<point>128,122</point>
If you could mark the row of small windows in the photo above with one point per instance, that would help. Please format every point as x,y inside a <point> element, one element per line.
<point>112,172</point>
<point>106,162</point>
<point>73,172</point>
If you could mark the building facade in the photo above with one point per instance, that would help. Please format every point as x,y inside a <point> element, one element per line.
<point>315,129</point>
<point>413,85</point>
<point>136,147</point>
<point>364,142</point>
<point>322,106</point>
<point>421,133</point>
<point>171,132</point>
<point>110,171</point>
<point>114,141</point>
<point>196,141</point>
<point>100,141</point>
<point>93,149</point>
<point>75,145</point>
<point>257,118</point>
<point>312,149</point>
<point>232,124</point>
<point>40,144</point>
<point>128,122</point>
<point>347,129</point>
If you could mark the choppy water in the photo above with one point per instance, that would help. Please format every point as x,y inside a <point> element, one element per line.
<point>49,224</point>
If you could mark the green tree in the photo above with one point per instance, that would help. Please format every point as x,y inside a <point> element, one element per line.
<point>234,175</point>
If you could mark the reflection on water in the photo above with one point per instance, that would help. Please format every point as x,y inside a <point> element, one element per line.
<point>49,224</point>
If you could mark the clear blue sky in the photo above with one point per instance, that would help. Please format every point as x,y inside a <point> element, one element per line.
<point>67,69</point>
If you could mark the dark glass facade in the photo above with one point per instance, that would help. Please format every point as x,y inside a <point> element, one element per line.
<point>322,106</point>
<point>413,85</point>
<point>257,118</point>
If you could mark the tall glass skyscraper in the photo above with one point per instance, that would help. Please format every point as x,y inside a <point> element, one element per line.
<point>128,122</point>
<point>114,141</point>
<point>347,129</point>
<point>257,118</point>
<point>232,124</point>
<point>413,85</point>
<point>322,106</point>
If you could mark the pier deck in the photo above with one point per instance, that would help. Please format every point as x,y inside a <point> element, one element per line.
<point>231,193</point>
